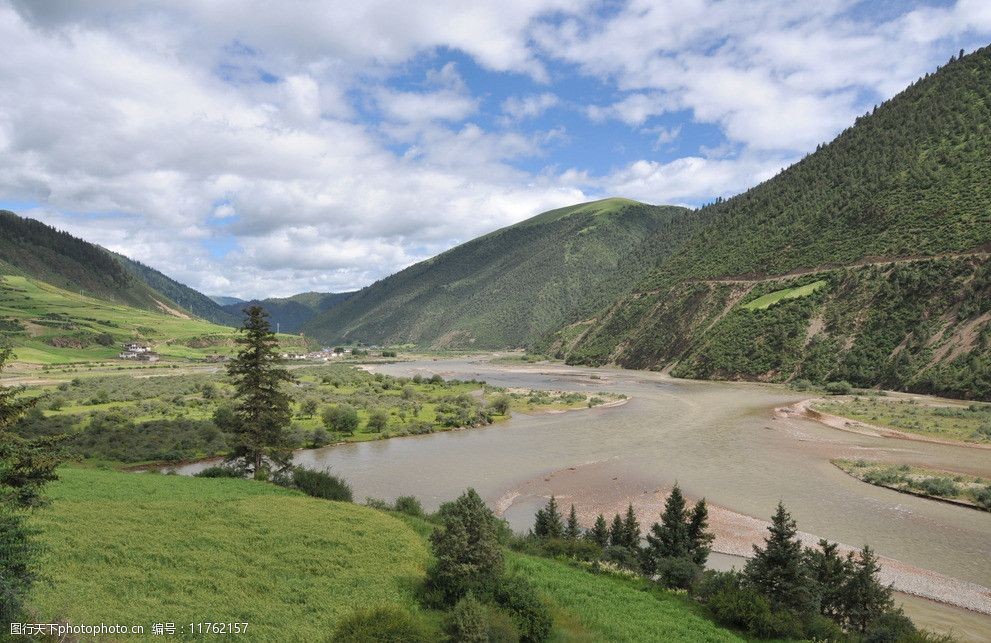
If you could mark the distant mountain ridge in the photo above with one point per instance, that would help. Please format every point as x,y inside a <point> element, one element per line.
<point>289,314</point>
<point>511,286</point>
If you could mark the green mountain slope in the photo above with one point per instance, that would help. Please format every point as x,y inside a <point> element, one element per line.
<point>290,313</point>
<point>912,180</point>
<point>512,286</point>
<point>191,300</point>
<point>32,249</point>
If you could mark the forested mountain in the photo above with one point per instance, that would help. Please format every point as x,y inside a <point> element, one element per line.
<point>891,222</point>
<point>191,300</point>
<point>514,285</point>
<point>30,248</point>
<point>290,313</point>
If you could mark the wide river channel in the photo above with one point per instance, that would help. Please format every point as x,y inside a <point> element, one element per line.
<point>722,441</point>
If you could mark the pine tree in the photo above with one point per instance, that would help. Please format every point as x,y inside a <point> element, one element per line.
<point>572,530</point>
<point>540,524</point>
<point>829,573</point>
<point>699,538</point>
<point>261,408</point>
<point>670,537</point>
<point>555,525</point>
<point>617,533</point>
<point>468,556</point>
<point>600,532</point>
<point>865,599</point>
<point>631,528</point>
<point>777,571</point>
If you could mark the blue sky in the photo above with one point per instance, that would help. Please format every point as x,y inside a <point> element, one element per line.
<point>255,148</point>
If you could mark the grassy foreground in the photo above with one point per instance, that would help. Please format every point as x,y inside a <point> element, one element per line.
<point>140,549</point>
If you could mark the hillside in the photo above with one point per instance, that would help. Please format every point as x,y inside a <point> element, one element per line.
<point>894,216</point>
<point>512,286</point>
<point>30,248</point>
<point>48,325</point>
<point>190,300</point>
<point>132,548</point>
<point>290,313</point>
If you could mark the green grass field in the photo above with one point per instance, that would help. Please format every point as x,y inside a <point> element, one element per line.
<point>140,549</point>
<point>764,302</point>
<point>36,316</point>
<point>611,608</point>
<point>143,549</point>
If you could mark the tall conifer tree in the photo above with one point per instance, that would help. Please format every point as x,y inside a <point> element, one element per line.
<point>261,407</point>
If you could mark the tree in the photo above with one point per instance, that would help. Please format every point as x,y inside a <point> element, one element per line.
<point>865,599</point>
<point>341,417</point>
<point>617,532</point>
<point>572,530</point>
<point>261,408</point>
<point>467,552</point>
<point>600,532</point>
<point>829,573</point>
<point>501,405</point>
<point>26,466</point>
<point>631,528</point>
<point>777,571</point>
<point>308,408</point>
<point>548,522</point>
<point>670,538</point>
<point>378,420</point>
<point>699,538</point>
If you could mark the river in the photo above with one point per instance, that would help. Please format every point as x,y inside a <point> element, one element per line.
<point>721,441</point>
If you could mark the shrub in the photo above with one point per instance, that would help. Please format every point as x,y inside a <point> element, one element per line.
<point>320,484</point>
<point>801,385</point>
<point>319,438</point>
<point>941,487</point>
<point>342,417</point>
<point>384,624</point>
<point>621,556</point>
<point>467,622</point>
<point>890,627</point>
<point>410,506</point>
<point>501,404</point>
<point>678,573</point>
<point>529,612</point>
<point>841,387</point>
<point>746,609</point>
<point>377,420</point>
<point>983,497</point>
<point>219,472</point>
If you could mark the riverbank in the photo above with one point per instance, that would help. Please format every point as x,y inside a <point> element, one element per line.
<point>805,409</point>
<point>940,485</point>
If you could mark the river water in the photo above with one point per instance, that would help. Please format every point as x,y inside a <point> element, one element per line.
<point>717,440</point>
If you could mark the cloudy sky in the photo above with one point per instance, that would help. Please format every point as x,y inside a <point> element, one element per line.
<point>263,148</point>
